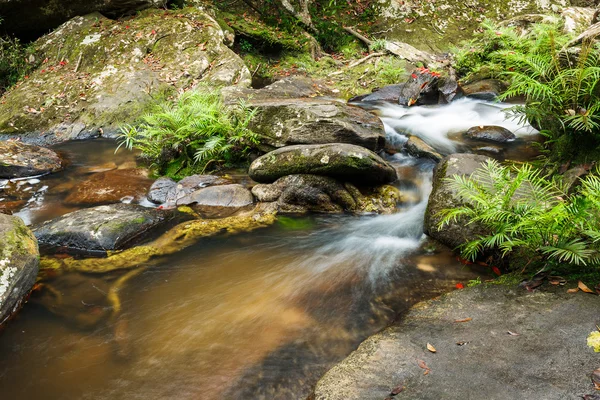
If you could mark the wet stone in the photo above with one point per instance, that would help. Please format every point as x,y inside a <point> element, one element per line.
<point>219,201</point>
<point>100,229</point>
<point>190,184</point>
<point>19,160</point>
<point>490,133</point>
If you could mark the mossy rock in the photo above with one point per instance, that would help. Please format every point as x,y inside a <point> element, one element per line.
<point>346,162</point>
<point>19,260</point>
<point>97,73</point>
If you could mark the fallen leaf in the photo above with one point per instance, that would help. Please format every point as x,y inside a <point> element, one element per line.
<point>496,271</point>
<point>397,390</point>
<point>461,343</point>
<point>431,348</point>
<point>596,378</point>
<point>557,280</point>
<point>591,397</point>
<point>463,320</point>
<point>584,288</point>
<point>574,290</point>
<point>511,333</point>
<point>422,364</point>
<point>460,286</point>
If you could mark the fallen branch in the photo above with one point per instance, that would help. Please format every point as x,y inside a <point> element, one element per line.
<point>358,62</point>
<point>590,33</point>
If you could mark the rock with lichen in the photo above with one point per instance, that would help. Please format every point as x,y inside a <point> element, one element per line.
<point>95,74</point>
<point>19,261</point>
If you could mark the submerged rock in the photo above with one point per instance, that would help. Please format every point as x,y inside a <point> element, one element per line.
<point>221,200</point>
<point>479,359</point>
<point>18,160</point>
<point>345,162</point>
<point>490,133</point>
<point>99,74</point>
<point>19,261</point>
<point>443,196</point>
<point>111,187</point>
<point>101,229</point>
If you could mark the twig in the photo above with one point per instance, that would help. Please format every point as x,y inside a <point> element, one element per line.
<point>256,70</point>
<point>362,38</point>
<point>358,62</point>
<point>78,62</point>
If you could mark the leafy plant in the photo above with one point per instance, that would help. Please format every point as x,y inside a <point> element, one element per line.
<point>194,132</point>
<point>378,45</point>
<point>246,46</point>
<point>14,64</point>
<point>524,210</point>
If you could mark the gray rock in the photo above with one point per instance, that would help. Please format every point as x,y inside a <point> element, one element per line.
<point>190,184</point>
<point>34,17</point>
<point>390,93</point>
<point>420,89</point>
<point>315,121</point>
<point>493,150</point>
<point>99,229</point>
<point>19,263</point>
<point>490,133</point>
<point>489,88</point>
<point>160,188</point>
<point>548,359</point>
<point>416,147</point>
<point>443,197</point>
<point>346,162</point>
<point>233,195</point>
<point>19,160</point>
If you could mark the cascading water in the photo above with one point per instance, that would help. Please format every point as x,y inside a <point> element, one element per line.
<point>255,316</point>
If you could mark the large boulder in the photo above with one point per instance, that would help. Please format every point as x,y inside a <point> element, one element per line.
<point>18,160</point>
<point>315,121</point>
<point>101,229</point>
<point>346,162</point>
<point>294,111</point>
<point>96,74</point>
<point>443,197</point>
<point>304,193</point>
<point>19,263</point>
<point>31,18</point>
<point>129,184</point>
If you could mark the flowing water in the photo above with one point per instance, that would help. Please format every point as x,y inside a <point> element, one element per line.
<point>260,315</point>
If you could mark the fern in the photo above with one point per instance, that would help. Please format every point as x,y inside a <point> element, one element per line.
<point>522,209</point>
<point>195,131</point>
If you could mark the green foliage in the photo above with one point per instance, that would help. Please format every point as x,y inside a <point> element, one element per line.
<point>13,62</point>
<point>246,46</point>
<point>524,210</point>
<point>192,133</point>
<point>378,45</point>
<point>474,282</point>
<point>559,84</point>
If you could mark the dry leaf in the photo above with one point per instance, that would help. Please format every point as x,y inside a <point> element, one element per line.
<point>584,288</point>
<point>461,343</point>
<point>557,280</point>
<point>511,333</point>
<point>397,390</point>
<point>574,290</point>
<point>431,348</point>
<point>463,320</point>
<point>422,364</point>
<point>596,378</point>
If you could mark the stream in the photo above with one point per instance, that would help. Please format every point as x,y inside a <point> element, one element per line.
<point>260,315</point>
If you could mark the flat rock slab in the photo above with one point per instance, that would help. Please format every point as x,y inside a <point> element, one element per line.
<point>19,263</point>
<point>99,229</point>
<point>346,162</point>
<point>548,359</point>
<point>18,160</point>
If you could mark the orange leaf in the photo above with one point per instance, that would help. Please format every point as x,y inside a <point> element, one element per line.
<point>496,271</point>
<point>584,288</point>
<point>422,364</point>
<point>574,290</point>
<point>460,286</point>
<point>463,320</point>
<point>431,348</point>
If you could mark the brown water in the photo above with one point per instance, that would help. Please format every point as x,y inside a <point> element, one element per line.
<point>260,315</point>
